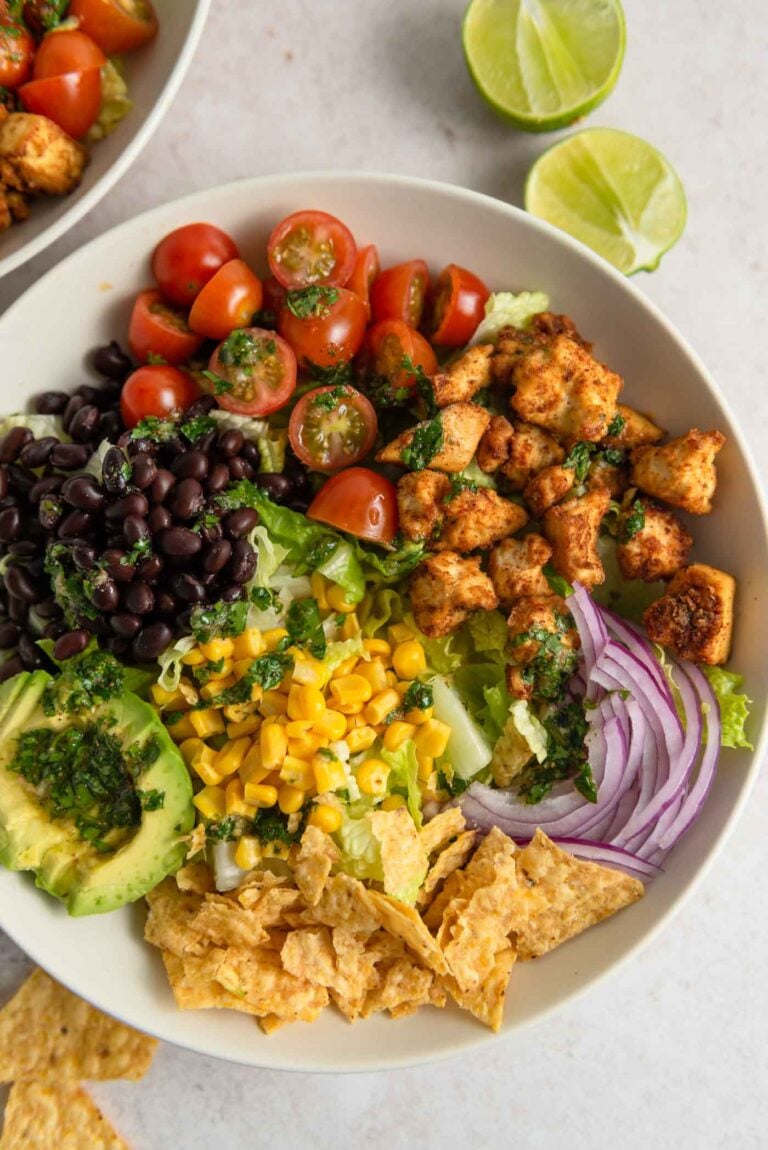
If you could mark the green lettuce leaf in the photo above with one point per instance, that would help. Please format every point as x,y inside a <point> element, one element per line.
<point>404,776</point>
<point>734,707</point>
<point>360,851</point>
<point>115,102</point>
<point>383,607</point>
<point>506,308</point>
<point>488,631</point>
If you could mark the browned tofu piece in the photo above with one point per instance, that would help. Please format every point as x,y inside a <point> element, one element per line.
<point>638,430</point>
<point>530,450</point>
<point>563,389</point>
<point>548,324</point>
<point>419,503</point>
<point>613,476</point>
<point>658,550</point>
<point>515,567</point>
<point>573,529</point>
<point>469,374</point>
<point>478,519</point>
<point>493,449</point>
<point>695,618</point>
<point>37,156</point>
<point>534,614</point>
<point>445,589</point>
<point>514,342</point>
<point>681,472</point>
<point>461,429</point>
<point>548,487</point>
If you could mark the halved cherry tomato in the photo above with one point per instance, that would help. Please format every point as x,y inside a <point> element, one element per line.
<point>157,389</point>
<point>156,328</point>
<point>254,370</point>
<point>332,427</point>
<point>456,307</point>
<point>367,267</point>
<point>227,301</point>
<point>332,330</point>
<point>185,259</point>
<point>399,293</point>
<point>392,351</point>
<point>360,502</point>
<point>311,248</point>
<point>274,297</point>
<point>116,25</point>
<point>17,49</point>
<point>72,101</point>
<point>66,50</point>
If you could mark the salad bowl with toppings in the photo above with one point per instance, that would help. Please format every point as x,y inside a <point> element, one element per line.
<point>370,630</point>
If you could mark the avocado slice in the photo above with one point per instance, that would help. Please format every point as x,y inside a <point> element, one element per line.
<point>86,880</point>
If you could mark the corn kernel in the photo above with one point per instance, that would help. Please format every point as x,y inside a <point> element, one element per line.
<point>331,725</point>
<point>374,673</point>
<point>194,658</point>
<point>350,628</point>
<point>392,678</point>
<point>241,667</point>
<point>426,766</point>
<point>227,670</point>
<point>399,632</point>
<point>215,687</point>
<point>351,709</point>
<point>409,660</point>
<point>274,636</point>
<point>297,773</point>
<point>189,748</point>
<point>276,850</point>
<point>345,667</point>
<point>290,799</point>
<point>326,817</point>
<point>377,648</point>
<point>248,852</point>
<point>419,717</point>
<point>381,706</point>
<point>337,600</point>
<point>253,773</point>
<point>216,649</point>
<point>305,702</point>
<point>309,672</point>
<point>360,739</point>
<point>236,802</point>
<point>260,795</point>
<point>211,802</point>
<point>274,745</point>
<point>319,586</point>
<point>432,738</point>
<point>398,733</point>
<point>181,729</point>
<point>273,703</point>
<point>249,645</point>
<point>237,712</point>
<point>393,802</point>
<point>351,689</point>
<point>172,700</point>
<point>206,723</point>
<point>372,777</point>
<point>204,766</point>
<point>402,686</point>
<point>329,773</point>
<point>306,746</point>
<point>232,756</point>
<point>247,726</point>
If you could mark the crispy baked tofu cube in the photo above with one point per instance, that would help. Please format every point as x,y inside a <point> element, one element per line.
<point>514,342</point>
<point>613,476</point>
<point>573,529</point>
<point>658,550</point>
<point>37,156</point>
<point>534,614</point>
<point>494,447</point>
<point>515,567</point>
<point>638,430</point>
<point>530,450</point>
<point>478,519</point>
<point>681,472</point>
<point>419,503</point>
<point>462,425</point>
<point>445,589</point>
<point>469,374</point>
<point>695,618</point>
<point>548,487</point>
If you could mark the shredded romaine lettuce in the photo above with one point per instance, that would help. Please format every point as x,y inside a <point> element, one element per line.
<point>171,667</point>
<point>506,308</point>
<point>734,707</point>
<point>360,851</point>
<point>115,102</point>
<point>39,425</point>
<point>404,776</point>
<point>529,728</point>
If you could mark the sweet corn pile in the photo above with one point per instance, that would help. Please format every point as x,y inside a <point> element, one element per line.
<point>317,733</point>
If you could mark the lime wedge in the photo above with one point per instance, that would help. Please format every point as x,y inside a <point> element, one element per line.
<point>614,192</point>
<point>544,63</point>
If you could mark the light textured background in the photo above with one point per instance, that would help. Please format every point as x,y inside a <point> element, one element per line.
<point>671,1050</point>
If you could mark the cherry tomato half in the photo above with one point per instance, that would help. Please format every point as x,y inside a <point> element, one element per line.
<point>227,301</point>
<point>360,502</point>
<point>456,307</point>
<point>332,330</point>
<point>399,293</point>
<point>311,248</point>
<point>274,297</point>
<point>392,347</point>
<point>255,371</point>
<point>157,389</point>
<point>367,267</point>
<point>332,427</point>
<point>65,51</point>
<point>72,101</point>
<point>17,49</point>
<point>116,25</point>
<point>156,328</point>
<point>185,259</point>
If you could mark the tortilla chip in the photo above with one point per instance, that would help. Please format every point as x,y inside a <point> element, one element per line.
<point>336,961</point>
<point>41,1116</point>
<point>317,854</point>
<point>193,986</point>
<point>438,832</point>
<point>196,877</point>
<point>344,903</point>
<point>449,860</point>
<point>559,896</point>
<point>270,1023</point>
<point>48,1033</point>
<point>170,920</point>
<point>268,901</point>
<point>258,978</point>
<point>226,923</point>
<point>195,841</point>
<point>404,861</point>
<point>405,923</point>
<point>486,1002</point>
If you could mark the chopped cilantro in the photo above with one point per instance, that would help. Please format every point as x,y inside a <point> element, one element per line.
<point>220,385</point>
<point>263,598</point>
<point>219,620</point>
<point>454,786</point>
<point>271,825</point>
<point>632,523</point>
<point>140,550</point>
<point>419,696</point>
<point>207,520</point>
<point>422,384</point>
<point>339,375</point>
<point>86,682</point>
<point>152,800</point>
<point>239,348</point>
<point>427,441</point>
<point>242,493</point>
<point>196,428</point>
<point>224,830</point>
<point>579,459</point>
<point>206,671</point>
<point>615,456</point>
<point>553,664</point>
<point>305,627</point>
<point>72,587</point>
<point>558,584</point>
<point>320,552</point>
<point>266,672</point>
<point>458,484</point>
<point>154,428</point>
<point>154,358</point>
<point>566,757</point>
<point>616,426</point>
<point>313,302</point>
<point>328,400</point>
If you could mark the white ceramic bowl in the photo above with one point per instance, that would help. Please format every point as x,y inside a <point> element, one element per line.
<point>154,76</point>
<point>105,959</point>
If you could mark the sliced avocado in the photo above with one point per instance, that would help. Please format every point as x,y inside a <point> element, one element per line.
<point>87,880</point>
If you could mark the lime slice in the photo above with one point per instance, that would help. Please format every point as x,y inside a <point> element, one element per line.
<point>544,63</point>
<point>614,192</point>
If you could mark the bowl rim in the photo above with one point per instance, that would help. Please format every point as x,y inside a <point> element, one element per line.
<point>131,152</point>
<point>314,180</point>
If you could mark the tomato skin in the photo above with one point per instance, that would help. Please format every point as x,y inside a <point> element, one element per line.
<point>66,51</point>
<point>317,433</point>
<point>115,26</point>
<point>326,340</point>
<point>261,378</point>
<point>400,292</point>
<point>17,50</point>
<point>367,267</point>
<point>389,343</point>
<point>360,502</point>
<point>72,101</point>
<point>274,296</point>
<point>156,389</point>
<point>311,247</point>
<point>227,301</point>
<point>456,307</point>
<point>189,256</point>
<point>155,328</point>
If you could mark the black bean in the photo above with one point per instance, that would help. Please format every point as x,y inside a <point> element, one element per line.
<point>18,584</point>
<point>85,424</point>
<point>170,448</point>
<point>111,361</point>
<point>84,556</point>
<point>144,471</point>
<point>200,407</point>
<point>4,482</point>
<point>298,504</point>
<point>37,453</point>
<point>22,549</point>
<point>83,492</point>
<point>106,595</point>
<point>10,668</point>
<point>89,393</point>
<point>179,542</point>
<point>116,567</point>
<point>9,635</point>
<point>133,504</point>
<point>46,486</point>
<point>250,453</point>
<point>54,629</point>
<point>70,456</point>
<point>115,472</point>
<point>139,598</point>
<point>161,485</point>
<point>97,626</point>
<point>111,426</point>
<point>230,443</point>
<point>150,569</point>
<point>187,588</point>
<point>218,478</point>
<point>238,523</point>
<point>69,644</point>
<point>143,445</point>
<point>125,625</point>
<point>117,646</point>
<point>152,641</point>
<point>239,468</point>
<point>278,487</point>
<point>158,518</point>
<point>10,524</point>
<point>190,465</point>
<point>74,403</point>
<point>12,443</point>
<point>165,603</point>
<point>17,608</point>
<point>217,555</point>
<point>49,609</point>
<point>232,593</point>
<point>51,402</point>
<point>242,565</point>
<point>208,579</point>
<point>74,525</point>
<point>212,532</point>
<point>205,442</point>
<point>135,528</point>
<point>32,658</point>
<point>21,478</point>
<point>186,500</point>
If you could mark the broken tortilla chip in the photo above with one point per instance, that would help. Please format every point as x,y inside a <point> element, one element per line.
<point>317,854</point>
<point>172,913</point>
<point>195,877</point>
<point>224,922</point>
<point>404,861</point>
<point>335,960</point>
<point>449,860</point>
<point>258,978</point>
<point>438,832</point>
<point>486,1002</point>
<point>193,986</point>
<point>344,903</point>
<point>43,1115</point>
<point>406,923</point>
